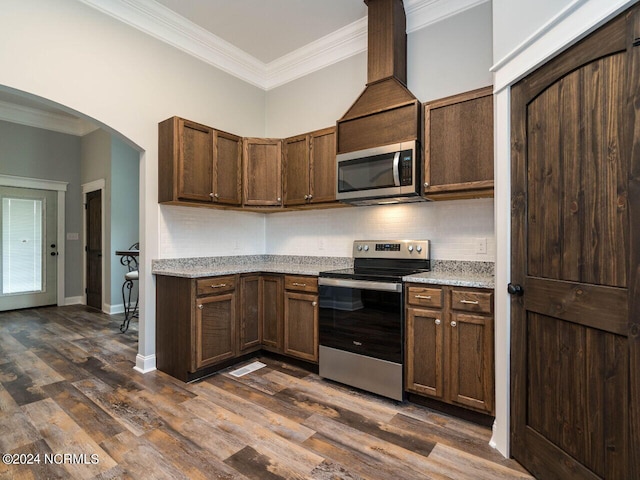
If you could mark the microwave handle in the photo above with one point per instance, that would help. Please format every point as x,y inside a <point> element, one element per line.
<point>396,169</point>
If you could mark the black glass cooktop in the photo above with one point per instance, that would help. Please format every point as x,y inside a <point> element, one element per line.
<point>379,271</point>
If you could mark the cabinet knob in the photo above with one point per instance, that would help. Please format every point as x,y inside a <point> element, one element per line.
<point>426,184</point>
<point>278,199</point>
<point>211,194</point>
<point>453,324</point>
<point>313,304</point>
<point>310,196</point>
<point>306,197</point>
<point>437,321</point>
<point>216,195</point>
<point>200,306</point>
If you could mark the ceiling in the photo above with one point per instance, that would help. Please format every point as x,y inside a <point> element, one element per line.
<point>269,29</point>
<point>267,43</point>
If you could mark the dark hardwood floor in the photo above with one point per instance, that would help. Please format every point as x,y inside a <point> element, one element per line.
<point>67,387</point>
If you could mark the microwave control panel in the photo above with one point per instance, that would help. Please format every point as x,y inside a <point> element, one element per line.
<point>406,168</point>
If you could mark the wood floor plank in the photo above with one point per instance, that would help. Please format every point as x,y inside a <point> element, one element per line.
<point>64,436</point>
<point>16,430</point>
<point>19,385</point>
<point>89,416</point>
<point>258,466</point>
<point>35,470</point>
<point>39,372</point>
<point>283,426</point>
<point>121,404</point>
<point>325,393</point>
<point>189,457</point>
<point>261,439</point>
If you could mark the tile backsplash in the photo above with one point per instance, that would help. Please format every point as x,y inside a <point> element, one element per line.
<point>455,229</point>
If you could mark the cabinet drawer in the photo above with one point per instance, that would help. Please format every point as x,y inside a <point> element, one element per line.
<point>472,301</point>
<point>215,285</point>
<point>425,297</point>
<point>301,284</point>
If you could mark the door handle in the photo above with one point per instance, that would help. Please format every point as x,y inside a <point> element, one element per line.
<point>53,254</point>
<point>515,289</point>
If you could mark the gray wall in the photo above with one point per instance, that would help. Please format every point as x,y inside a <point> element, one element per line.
<point>125,178</point>
<point>516,20</point>
<point>37,153</point>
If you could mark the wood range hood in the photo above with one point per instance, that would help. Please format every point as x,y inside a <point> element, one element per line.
<point>386,112</point>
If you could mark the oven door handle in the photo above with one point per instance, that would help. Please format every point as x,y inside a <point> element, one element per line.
<point>361,284</point>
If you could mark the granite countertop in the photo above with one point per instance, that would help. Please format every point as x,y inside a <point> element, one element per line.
<point>444,272</point>
<point>212,266</point>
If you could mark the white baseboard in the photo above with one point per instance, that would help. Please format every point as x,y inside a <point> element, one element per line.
<point>145,364</point>
<point>113,309</point>
<point>74,300</point>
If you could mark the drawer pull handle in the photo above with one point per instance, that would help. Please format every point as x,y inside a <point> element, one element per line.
<point>454,324</point>
<point>424,297</point>
<point>200,306</point>
<point>220,285</point>
<point>359,344</point>
<point>296,284</point>
<point>470,302</point>
<point>437,321</point>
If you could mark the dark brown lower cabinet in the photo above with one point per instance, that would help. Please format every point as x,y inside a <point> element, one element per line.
<point>301,317</point>
<point>449,345</point>
<point>250,309</point>
<point>272,316</point>
<point>215,329</point>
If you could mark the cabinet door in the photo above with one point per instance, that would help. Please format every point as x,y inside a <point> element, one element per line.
<point>250,326</point>
<point>262,172</point>
<point>323,166</point>
<point>472,360</point>
<point>227,171</point>
<point>296,170</point>
<point>195,161</point>
<point>272,315</point>
<point>215,329</point>
<point>301,325</point>
<point>458,146</point>
<point>425,353</point>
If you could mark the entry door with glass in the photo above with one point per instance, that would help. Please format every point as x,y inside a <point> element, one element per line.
<point>28,250</point>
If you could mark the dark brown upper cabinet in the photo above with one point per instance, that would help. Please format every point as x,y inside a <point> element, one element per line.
<point>310,168</point>
<point>458,146</point>
<point>198,163</point>
<point>262,162</point>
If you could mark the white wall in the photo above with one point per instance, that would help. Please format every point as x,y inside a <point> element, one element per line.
<point>201,232</point>
<point>452,227</point>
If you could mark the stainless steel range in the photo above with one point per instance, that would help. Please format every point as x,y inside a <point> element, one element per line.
<point>361,328</point>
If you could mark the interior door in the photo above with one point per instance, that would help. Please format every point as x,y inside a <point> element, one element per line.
<point>576,233</point>
<point>93,249</point>
<point>29,255</point>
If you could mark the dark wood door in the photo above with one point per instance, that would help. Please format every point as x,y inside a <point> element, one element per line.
<point>215,329</point>
<point>323,166</point>
<point>296,170</point>
<point>227,171</point>
<point>425,352</point>
<point>250,299</point>
<point>301,325</point>
<point>575,350</point>
<point>262,171</point>
<point>195,161</point>
<point>272,315</point>
<point>93,249</point>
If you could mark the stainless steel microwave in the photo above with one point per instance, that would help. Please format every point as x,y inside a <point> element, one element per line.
<point>388,174</point>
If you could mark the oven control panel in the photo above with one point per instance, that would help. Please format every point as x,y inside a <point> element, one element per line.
<point>416,249</point>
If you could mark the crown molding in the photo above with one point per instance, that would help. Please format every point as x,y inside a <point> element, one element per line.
<point>164,24</point>
<point>33,117</point>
